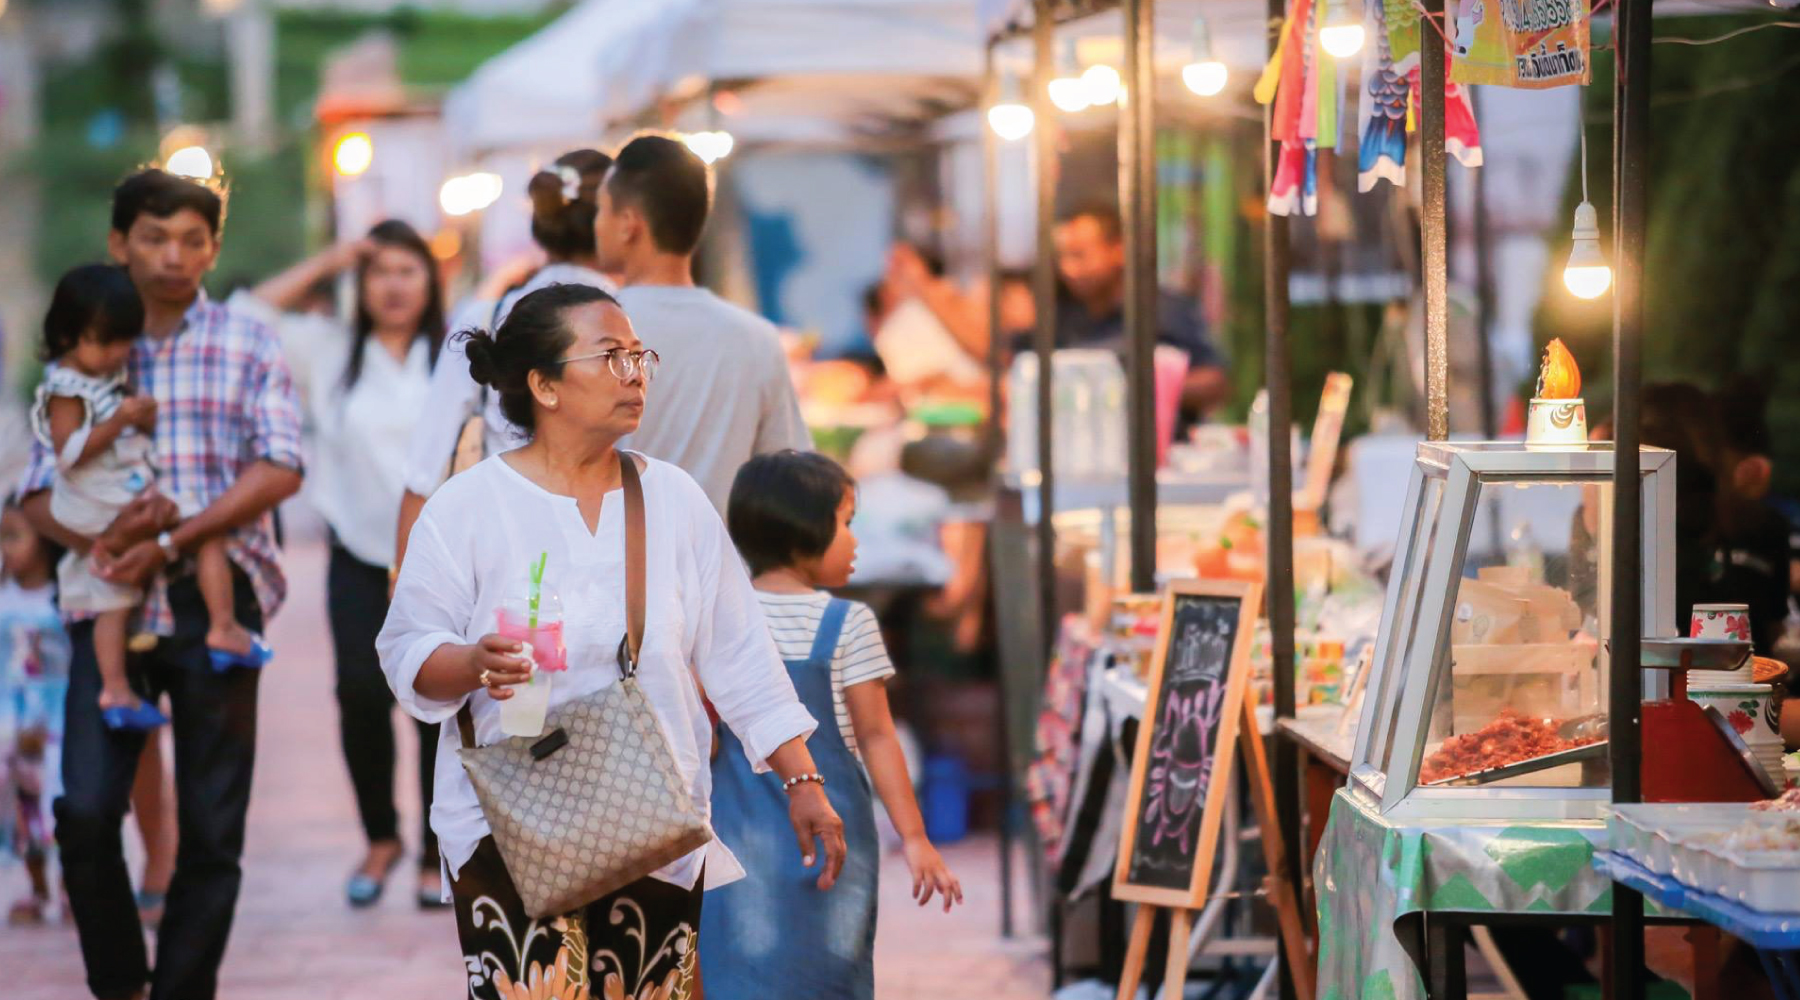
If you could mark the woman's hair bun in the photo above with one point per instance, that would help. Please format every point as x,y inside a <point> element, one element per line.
<point>479,346</point>
<point>546,192</point>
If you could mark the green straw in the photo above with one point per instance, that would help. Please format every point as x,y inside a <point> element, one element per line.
<point>537,587</point>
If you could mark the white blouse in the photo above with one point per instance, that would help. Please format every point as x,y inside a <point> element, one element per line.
<point>359,438</point>
<point>470,550</point>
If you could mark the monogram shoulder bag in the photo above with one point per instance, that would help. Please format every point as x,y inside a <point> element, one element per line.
<point>597,801</point>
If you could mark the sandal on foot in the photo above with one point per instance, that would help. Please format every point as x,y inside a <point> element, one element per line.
<point>364,891</point>
<point>258,657</point>
<point>140,718</point>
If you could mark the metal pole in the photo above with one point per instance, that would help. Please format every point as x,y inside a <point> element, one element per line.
<point>990,178</point>
<point>990,226</point>
<point>1278,377</point>
<point>1434,258</point>
<point>1137,204</point>
<point>1484,292</point>
<point>1631,161</point>
<point>1043,30</point>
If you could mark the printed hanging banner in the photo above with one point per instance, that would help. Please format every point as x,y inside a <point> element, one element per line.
<point>1529,44</point>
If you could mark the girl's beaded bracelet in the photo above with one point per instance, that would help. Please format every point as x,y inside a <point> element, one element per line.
<point>788,785</point>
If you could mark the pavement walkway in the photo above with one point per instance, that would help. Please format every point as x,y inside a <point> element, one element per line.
<point>295,938</point>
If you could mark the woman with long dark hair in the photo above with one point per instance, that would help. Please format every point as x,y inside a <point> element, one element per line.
<point>564,200</point>
<point>364,384</point>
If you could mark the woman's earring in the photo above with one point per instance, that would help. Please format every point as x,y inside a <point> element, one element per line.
<point>553,403</point>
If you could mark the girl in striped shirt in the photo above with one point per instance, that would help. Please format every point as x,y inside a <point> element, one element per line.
<point>775,934</point>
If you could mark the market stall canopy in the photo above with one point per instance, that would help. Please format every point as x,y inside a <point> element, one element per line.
<point>799,70</point>
<point>544,90</point>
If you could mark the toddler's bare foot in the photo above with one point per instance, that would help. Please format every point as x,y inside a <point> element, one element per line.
<point>230,638</point>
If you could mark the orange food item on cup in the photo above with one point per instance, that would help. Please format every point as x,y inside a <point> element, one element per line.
<point>1559,378</point>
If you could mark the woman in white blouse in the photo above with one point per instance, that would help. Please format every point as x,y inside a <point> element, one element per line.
<point>564,200</point>
<point>571,374</point>
<point>362,387</point>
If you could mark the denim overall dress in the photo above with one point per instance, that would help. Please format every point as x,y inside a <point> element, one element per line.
<point>774,935</point>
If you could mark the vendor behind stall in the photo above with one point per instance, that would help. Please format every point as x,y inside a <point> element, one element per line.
<point>1090,259</point>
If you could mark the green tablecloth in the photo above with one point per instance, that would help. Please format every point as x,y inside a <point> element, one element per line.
<point>1375,879</point>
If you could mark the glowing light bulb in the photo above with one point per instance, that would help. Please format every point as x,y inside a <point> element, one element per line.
<point>1100,84</point>
<point>469,193</point>
<point>354,153</point>
<point>710,146</point>
<point>1205,78</point>
<point>190,161</point>
<point>1069,94</point>
<point>1011,122</point>
<point>1341,36</point>
<point>1586,275</point>
<point>1067,91</point>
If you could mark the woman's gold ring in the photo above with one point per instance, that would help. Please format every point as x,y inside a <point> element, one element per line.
<point>485,680</point>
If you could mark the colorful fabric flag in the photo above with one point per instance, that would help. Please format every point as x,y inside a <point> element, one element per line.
<point>1381,116</point>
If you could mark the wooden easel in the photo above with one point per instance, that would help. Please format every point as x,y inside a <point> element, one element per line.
<point>1296,926</point>
<point>1198,701</point>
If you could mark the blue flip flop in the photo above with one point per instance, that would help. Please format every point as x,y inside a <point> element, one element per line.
<point>141,719</point>
<point>259,656</point>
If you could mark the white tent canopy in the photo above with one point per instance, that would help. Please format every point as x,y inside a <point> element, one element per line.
<point>804,70</point>
<point>544,90</point>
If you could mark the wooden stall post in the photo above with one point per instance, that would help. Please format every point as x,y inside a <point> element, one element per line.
<point>1043,31</point>
<point>1631,161</point>
<point>1278,376</point>
<point>1137,204</point>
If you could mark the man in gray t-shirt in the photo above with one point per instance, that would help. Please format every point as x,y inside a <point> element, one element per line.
<point>723,394</point>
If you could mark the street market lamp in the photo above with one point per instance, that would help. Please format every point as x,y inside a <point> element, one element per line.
<point>469,193</point>
<point>710,146</point>
<point>1206,75</point>
<point>1100,85</point>
<point>1067,91</point>
<point>190,161</point>
<point>1587,275</point>
<point>353,154</point>
<point>1010,118</point>
<point>1341,36</point>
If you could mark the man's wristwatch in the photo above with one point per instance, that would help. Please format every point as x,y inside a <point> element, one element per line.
<point>171,552</point>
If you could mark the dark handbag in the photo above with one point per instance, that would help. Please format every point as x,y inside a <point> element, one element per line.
<point>597,802</point>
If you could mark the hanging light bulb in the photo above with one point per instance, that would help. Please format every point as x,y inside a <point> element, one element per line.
<point>1206,75</point>
<point>1341,36</point>
<point>1067,91</point>
<point>1101,85</point>
<point>1586,275</point>
<point>1010,118</point>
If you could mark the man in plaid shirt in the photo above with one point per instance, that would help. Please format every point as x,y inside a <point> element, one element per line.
<point>228,437</point>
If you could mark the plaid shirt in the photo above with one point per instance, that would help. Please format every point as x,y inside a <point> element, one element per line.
<point>224,401</point>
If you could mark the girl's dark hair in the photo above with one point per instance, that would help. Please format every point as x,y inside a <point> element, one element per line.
<point>784,507</point>
<point>93,298</point>
<point>564,225</point>
<point>533,338</point>
<point>399,235</point>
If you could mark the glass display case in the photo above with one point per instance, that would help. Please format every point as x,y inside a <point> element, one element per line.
<point>1487,697</point>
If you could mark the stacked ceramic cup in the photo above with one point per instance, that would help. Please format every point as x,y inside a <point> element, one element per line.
<point>1742,702</point>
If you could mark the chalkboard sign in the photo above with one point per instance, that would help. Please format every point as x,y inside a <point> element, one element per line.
<point>1186,744</point>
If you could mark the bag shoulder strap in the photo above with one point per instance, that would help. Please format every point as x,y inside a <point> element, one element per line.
<point>633,640</point>
<point>634,564</point>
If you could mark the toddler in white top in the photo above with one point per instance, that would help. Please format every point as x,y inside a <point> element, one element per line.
<point>102,436</point>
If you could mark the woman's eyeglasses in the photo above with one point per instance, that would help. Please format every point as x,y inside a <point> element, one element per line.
<point>623,363</point>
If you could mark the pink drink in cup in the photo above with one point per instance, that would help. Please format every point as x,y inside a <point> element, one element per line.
<point>525,712</point>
